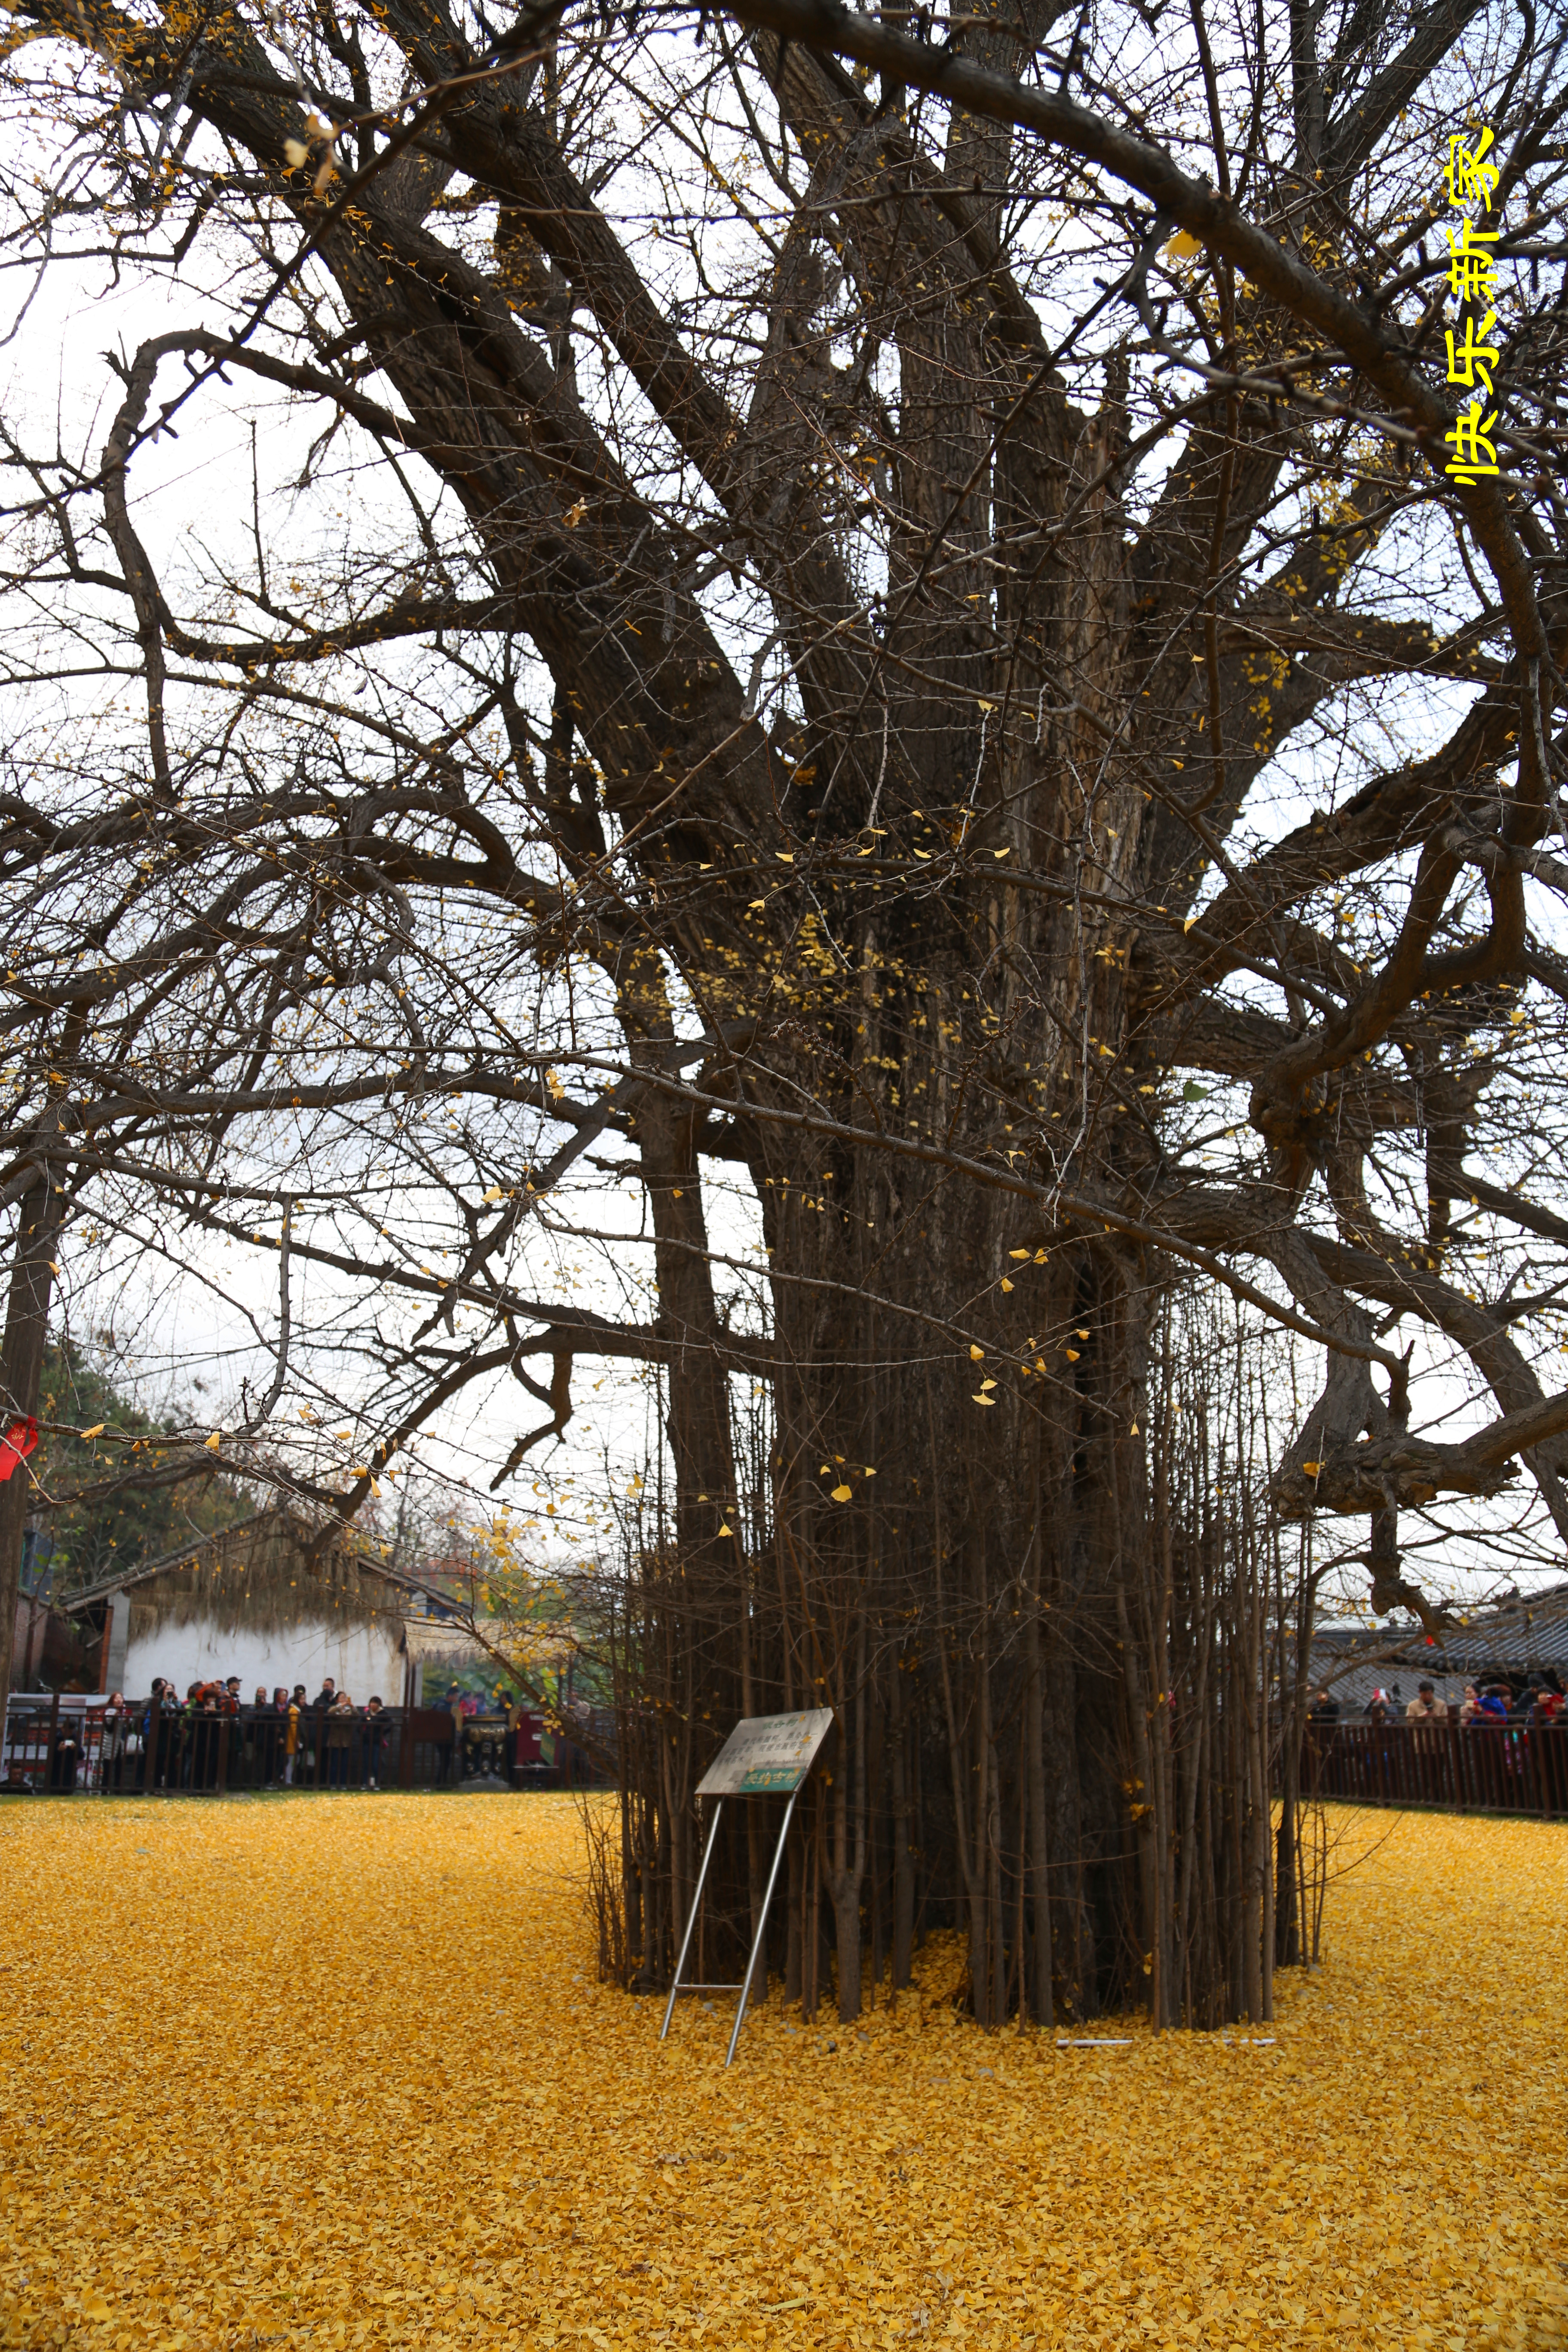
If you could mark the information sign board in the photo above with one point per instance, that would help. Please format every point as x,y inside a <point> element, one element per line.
<point>767,1755</point>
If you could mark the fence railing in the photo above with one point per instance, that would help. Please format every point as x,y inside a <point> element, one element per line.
<point>59,1745</point>
<point>1473,1768</point>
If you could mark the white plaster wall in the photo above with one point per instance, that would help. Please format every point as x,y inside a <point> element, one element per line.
<point>362,1660</point>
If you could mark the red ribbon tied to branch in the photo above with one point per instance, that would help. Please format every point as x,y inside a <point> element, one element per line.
<point>18,1442</point>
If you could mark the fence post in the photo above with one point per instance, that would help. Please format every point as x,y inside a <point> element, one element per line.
<point>224,1722</point>
<point>321,1741</point>
<point>406,1749</point>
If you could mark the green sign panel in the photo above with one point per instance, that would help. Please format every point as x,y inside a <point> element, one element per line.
<point>767,1755</point>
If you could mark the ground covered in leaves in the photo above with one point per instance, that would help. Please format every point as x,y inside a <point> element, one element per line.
<point>334,2071</point>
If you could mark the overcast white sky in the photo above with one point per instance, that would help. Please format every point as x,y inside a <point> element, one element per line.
<point>192,505</point>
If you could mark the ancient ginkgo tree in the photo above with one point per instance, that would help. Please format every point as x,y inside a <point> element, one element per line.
<point>905,634</point>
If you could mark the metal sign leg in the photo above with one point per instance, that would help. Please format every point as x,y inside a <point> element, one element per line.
<point>762,1926</point>
<point>692,1916</point>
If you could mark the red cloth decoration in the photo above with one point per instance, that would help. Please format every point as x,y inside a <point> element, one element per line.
<point>18,1442</point>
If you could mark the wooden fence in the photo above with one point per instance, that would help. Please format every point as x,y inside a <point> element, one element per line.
<point>60,1747</point>
<point>1475,1768</point>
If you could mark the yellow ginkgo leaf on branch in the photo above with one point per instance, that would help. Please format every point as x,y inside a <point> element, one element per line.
<point>841,1494</point>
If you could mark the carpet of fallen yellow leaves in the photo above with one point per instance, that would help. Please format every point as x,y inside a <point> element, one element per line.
<point>334,2071</point>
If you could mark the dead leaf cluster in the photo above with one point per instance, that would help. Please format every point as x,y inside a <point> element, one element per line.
<point>333,2073</point>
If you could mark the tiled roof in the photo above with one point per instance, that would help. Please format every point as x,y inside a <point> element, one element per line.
<point>204,1548</point>
<point>1528,1636</point>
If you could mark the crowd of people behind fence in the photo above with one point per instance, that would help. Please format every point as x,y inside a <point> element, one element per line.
<point>287,1737</point>
<point>1503,1748</point>
<point>214,1739</point>
<point>1537,1707</point>
<point>164,1742</point>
